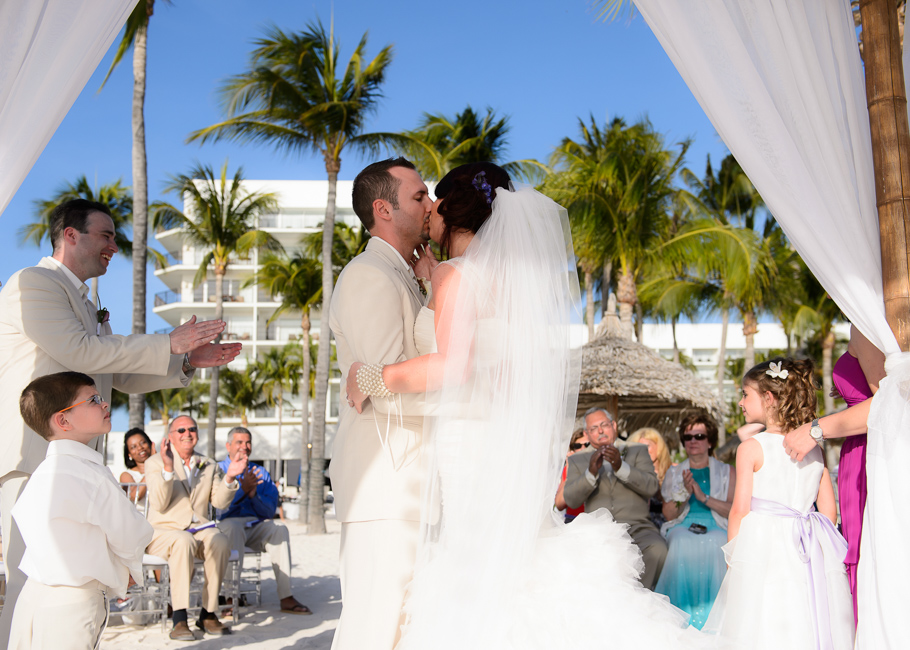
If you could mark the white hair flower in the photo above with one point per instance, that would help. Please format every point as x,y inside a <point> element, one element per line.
<point>775,371</point>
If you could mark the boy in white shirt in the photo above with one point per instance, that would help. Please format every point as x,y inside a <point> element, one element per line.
<point>83,536</point>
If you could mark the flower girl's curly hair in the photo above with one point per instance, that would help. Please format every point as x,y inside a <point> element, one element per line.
<point>796,396</point>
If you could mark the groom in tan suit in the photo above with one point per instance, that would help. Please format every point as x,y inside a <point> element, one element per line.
<point>376,470</point>
<point>48,325</point>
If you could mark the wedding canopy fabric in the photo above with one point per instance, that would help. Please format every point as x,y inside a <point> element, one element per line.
<point>48,51</point>
<point>782,82</point>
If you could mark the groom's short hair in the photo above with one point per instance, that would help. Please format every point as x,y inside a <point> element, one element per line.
<point>375,182</point>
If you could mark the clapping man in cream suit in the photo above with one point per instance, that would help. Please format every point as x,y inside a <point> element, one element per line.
<point>376,470</point>
<point>48,325</point>
<point>182,489</point>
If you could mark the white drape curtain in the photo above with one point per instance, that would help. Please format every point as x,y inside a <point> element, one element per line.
<point>48,51</point>
<point>783,84</point>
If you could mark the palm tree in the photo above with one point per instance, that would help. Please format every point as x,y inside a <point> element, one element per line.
<point>172,401</point>
<point>620,181</point>
<point>297,282</point>
<point>114,195</point>
<point>242,391</point>
<point>441,143</point>
<point>222,218</point>
<point>280,368</point>
<point>292,98</point>
<point>135,35</point>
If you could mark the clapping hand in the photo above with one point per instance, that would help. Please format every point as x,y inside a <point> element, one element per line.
<point>611,455</point>
<point>250,481</point>
<point>355,397</point>
<point>236,468</point>
<point>167,455</point>
<point>189,336</point>
<point>692,486</point>
<point>217,354</point>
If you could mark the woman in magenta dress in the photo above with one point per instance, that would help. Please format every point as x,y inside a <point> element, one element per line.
<point>856,375</point>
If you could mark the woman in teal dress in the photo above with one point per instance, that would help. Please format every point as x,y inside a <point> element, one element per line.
<point>697,496</point>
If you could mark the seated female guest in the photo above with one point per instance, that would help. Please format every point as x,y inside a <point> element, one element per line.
<point>660,456</point>
<point>137,448</point>
<point>579,441</point>
<point>697,496</point>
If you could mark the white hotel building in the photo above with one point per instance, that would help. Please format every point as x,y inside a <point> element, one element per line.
<point>247,310</point>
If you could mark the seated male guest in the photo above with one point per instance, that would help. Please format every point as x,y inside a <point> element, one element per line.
<point>179,496</point>
<point>248,520</point>
<point>623,482</point>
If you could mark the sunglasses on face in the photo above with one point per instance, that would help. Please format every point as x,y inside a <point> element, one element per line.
<point>94,399</point>
<point>190,429</point>
<point>575,446</point>
<point>694,436</point>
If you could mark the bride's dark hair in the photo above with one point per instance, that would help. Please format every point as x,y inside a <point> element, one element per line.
<point>468,192</point>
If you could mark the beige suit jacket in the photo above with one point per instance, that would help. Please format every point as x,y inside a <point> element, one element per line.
<point>171,502</point>
<point>47,327</point>
<point>626,500</point>
<point>376,471</point>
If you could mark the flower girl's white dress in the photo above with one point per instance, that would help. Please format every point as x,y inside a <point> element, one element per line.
<point>767,600</point>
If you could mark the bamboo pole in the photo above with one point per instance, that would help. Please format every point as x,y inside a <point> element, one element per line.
<point>891,156</point>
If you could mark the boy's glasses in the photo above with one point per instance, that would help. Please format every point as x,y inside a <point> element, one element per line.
<point>695,436</point>
<point>191,430</point>
<point>94,399</point>
<point>575,446</point>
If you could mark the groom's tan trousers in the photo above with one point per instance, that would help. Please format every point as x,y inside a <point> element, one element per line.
<point>377,562</point>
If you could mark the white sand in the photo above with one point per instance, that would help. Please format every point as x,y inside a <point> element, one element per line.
<point>314,581</point>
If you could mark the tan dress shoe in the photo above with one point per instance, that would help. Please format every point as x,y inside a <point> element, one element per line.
<point>182,632</point>
<point>213,626</point>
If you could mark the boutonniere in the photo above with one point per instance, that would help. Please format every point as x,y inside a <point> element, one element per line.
<point>200,466</point>
<point>421,287</point>
<point>102,316</point>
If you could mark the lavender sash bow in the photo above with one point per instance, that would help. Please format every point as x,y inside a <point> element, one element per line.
<point>815,538</point>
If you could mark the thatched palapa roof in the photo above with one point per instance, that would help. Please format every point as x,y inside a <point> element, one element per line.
<point>639,386</point>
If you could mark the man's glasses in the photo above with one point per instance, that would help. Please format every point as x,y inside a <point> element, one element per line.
<point>190,429</point>
<point>603,426</point>
<point>694,436</point>
<point>94,399</point>
<point>575,446</point>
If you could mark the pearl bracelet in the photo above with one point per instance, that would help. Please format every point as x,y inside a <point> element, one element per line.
<point>370,381</point>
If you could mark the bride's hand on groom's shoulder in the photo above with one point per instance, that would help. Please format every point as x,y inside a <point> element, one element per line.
<point>425,262</point>
<point>354,396</point>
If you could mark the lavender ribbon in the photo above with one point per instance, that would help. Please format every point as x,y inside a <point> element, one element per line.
<point>815,538</point>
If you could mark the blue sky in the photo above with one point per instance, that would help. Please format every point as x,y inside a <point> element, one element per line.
<point>543,63</point>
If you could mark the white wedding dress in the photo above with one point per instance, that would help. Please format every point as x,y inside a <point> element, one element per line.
<point>548,586</point>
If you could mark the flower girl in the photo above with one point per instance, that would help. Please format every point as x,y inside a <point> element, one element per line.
<point>786,586</point>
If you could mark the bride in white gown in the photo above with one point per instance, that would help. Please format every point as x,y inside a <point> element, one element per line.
<point>497,568</point>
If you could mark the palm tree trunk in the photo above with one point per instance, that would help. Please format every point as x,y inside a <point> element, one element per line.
<point>722,354</point>
<point>639,322</point>
<point>140,201</point>
<point>750,329</point>
<point>589,303</point>
<point>216,371</point>
<point>317,462</point>
<point>626,296</point>
<point>305,421</point>
<point>827,383</point>
<point>605,287</point>
<point>280,409</point>
<point>675,344</point>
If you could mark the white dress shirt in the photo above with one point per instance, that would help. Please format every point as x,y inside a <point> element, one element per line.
<point>78,524</point>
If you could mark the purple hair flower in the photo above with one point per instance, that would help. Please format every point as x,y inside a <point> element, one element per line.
<point>480,184</point>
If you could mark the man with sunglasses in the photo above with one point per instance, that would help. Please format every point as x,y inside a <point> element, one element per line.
<point>48,324</point>
<point>622,481</point>
<point>181,488</point>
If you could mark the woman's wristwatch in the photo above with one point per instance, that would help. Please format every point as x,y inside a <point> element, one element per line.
<point>816,432</point>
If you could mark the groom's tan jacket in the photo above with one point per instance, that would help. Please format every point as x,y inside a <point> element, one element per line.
<point>46,326</point>
<point>376,471</point>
